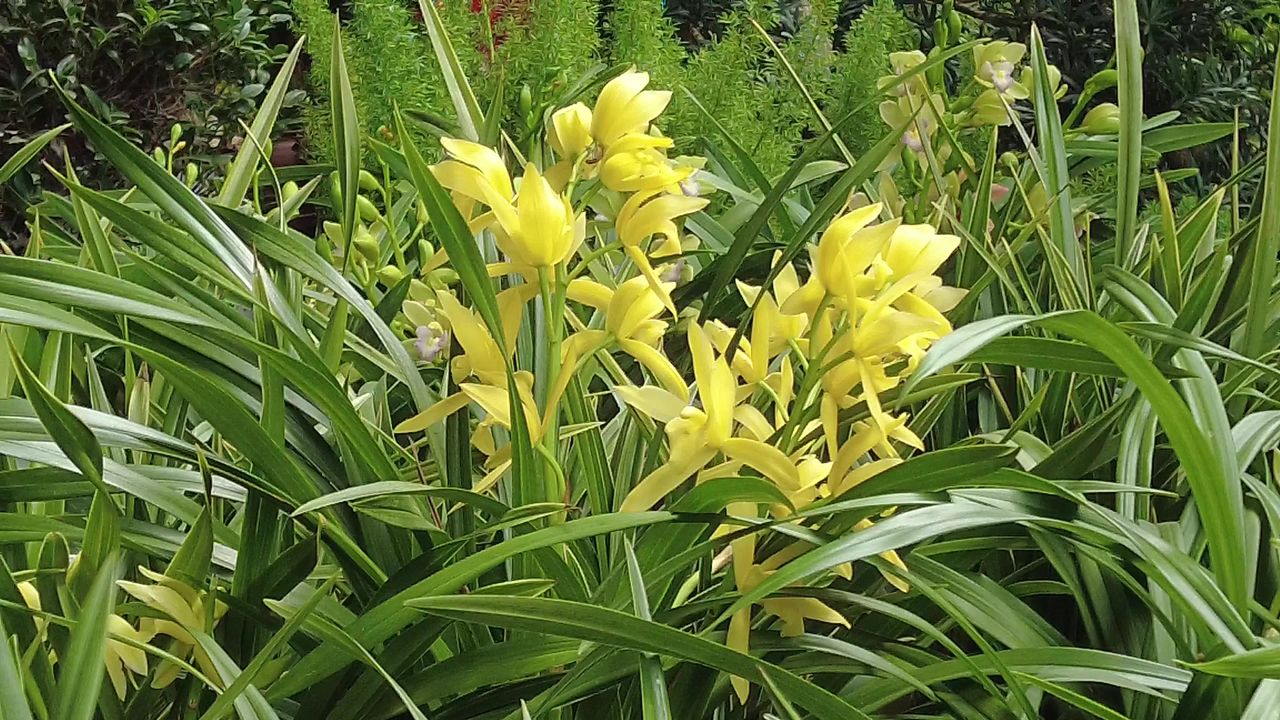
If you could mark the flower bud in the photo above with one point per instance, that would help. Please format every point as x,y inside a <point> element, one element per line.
<point>192,174</point>
<point>368,182</point>
<point>289,189</point>
<point>335,192</point>
<point>423,217</point>
<point>389,275</point>
<point>526,100</point>
<point>366,244</point>
<point>366,209</point>
<point>1102,120</point>
<point>1100,81</point>
<point>175,133</point>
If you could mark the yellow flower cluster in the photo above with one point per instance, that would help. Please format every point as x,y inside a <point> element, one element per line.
<point>180,610</point>
<point>798,399</point>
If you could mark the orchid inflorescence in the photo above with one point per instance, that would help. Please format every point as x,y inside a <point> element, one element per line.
<point>595,237</point>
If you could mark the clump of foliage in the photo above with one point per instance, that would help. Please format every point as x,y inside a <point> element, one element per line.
<point>514,437</point>
<point>521,55</point>
<point>1223,58</point>
<point>144,65</point>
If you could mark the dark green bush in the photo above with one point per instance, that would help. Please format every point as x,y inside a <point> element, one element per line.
<point>142,64</point>
<point>1203,59</point>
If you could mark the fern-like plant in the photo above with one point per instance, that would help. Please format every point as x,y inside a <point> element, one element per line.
<point>519,54</point>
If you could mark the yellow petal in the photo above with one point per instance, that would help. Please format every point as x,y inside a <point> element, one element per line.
<point>492,478</point>
<point>495,401</point>
<point>769,460</point>
<point>655,283</point>
<point>432,415</point>
<point>589,292</point>
<point>115,672</point>
<point>133,658</point>
<point>738,639</point>
<point>482,158</point>
<point>658,366</point>
<point>753,421</point>
<point>511,304</point>
<point>659,483</point>
<point>569,132</point>
<point>715,385</point>
<point>546,233</point>
<point>655,402</point>
<point>29,594</point>
<point>624,106</point>
<point>633,303</point>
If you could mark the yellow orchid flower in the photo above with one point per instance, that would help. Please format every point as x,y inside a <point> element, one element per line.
<point>184,610</point>
<point>473,171</point>
<point>481,355</point>
<point>1028,79</point>
<point>119,657</point>
<point>697,434</point>
<point>631,321</point>
<point>994,63</point>
<point>847,249</point>
<point>900,63</point>
<point>920,118</point>
<point>785,308</point>
<point>792,611</point>
<point>625,107</point>
<point>652,214</point>
<point>569,132</point>
<point>636,163</point>
<point>539,229</point>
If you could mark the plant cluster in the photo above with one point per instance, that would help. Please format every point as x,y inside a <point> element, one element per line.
<point>1222,66</point>
<point>521,58</point>
<point>566,423</point>
<point>144,65</point>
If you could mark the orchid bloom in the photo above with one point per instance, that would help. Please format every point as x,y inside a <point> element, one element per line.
<point>636,163</point>
<point>184,611</point>
<point>625,107</point>
<point>631,322</point>
<point>698,433</point>
<point>648,215</point>
<point>995,63</point>
<point>919,116</point>
<point>539,229</point>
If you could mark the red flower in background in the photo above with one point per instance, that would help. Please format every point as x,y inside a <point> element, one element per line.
<point>517,10</point>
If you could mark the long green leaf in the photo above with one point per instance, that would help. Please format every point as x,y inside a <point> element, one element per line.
<point>1257,337</point>
<point>19,160</point>
<point>82,666</point>
<point>611,627</point>
<point>241,172</point>
<point>1129,67</point>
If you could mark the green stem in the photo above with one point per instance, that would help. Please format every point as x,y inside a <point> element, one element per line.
<point>553,323</point>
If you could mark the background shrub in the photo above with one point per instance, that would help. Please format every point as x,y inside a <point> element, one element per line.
<point>141,64</point>
<point>710,49</point>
